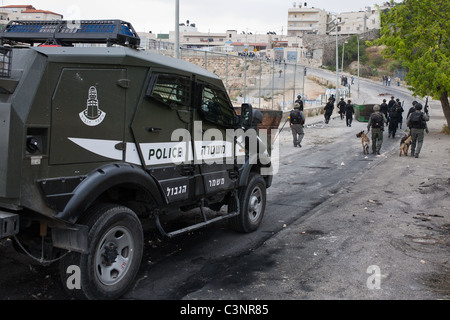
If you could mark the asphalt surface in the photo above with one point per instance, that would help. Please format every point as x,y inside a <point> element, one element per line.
<point>339,225</point>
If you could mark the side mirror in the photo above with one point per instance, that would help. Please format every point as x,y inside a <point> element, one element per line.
<point>246,115</point>
<point>250,117</point>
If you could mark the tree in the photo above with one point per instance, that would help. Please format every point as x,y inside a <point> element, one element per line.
<point>351,51</point>
<point>417,32</point>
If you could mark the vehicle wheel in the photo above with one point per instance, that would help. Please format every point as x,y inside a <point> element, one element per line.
<point>115,251</point>
<point>252,202</point>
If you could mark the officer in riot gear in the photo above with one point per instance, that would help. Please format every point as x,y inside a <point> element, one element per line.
<point>417,123</point>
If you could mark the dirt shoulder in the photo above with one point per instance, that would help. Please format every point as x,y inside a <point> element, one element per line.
<point>393,223</point>
<point>384,236</point>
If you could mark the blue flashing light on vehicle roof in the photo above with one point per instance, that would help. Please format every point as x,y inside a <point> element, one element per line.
<point>66,33</point>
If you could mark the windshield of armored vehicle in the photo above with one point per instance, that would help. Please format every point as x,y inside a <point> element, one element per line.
<point>216,107</point>
<point>170,89</point>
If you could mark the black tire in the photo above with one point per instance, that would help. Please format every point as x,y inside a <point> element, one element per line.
<point>115,252</point>
<point>252,202</point>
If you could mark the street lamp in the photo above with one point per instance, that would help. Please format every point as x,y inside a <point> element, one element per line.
<point>343,48</point>
<point>336,23</point>
<point>358,38</point>
<point>177,28</point>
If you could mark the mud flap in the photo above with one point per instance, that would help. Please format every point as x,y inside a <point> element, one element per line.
<point>73,238</point>
<point>9,224</point>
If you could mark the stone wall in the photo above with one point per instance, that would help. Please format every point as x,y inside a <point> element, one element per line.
<point>326,44</point>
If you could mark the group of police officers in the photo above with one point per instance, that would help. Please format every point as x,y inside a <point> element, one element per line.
<point>386,114</point>
<point>390,114</point>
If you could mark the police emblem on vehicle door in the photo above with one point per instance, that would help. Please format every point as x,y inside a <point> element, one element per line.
<point>92,115</point>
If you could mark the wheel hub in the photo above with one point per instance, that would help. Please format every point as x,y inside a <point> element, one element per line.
<point>110,254</point>
<point>253,203</point>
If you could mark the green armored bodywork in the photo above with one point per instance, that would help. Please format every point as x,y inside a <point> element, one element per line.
<point>94,134</point>
<point>87,107</point>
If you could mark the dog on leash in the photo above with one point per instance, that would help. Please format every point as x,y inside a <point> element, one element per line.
<point>405,142</point>
<point>364,141</point>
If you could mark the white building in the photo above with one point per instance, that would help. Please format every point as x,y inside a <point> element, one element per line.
<point>26,12</point>
<point>306,20</point>
<point>360,22</point>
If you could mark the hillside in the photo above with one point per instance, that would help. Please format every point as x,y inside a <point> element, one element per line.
<point>374,66</point>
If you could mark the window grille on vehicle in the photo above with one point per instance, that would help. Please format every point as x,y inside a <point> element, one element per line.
<point>5,62</point>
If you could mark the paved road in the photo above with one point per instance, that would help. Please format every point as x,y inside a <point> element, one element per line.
<point>198,265</point>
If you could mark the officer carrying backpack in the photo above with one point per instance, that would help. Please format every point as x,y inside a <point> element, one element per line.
<point>377,120</point>
<point>296,118</point>
<point>394,113</point>
<point>416,120</point>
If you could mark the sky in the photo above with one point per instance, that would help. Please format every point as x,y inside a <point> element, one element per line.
<point>215,16</point>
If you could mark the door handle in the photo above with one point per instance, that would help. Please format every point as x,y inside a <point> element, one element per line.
<point>151,129</point>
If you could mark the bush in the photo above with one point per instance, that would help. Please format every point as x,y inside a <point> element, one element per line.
<point>378,61</point>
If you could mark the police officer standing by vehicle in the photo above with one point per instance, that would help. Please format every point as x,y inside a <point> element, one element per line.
<point>377,121</point>
<point>297,120</point>
<point>417,123</point>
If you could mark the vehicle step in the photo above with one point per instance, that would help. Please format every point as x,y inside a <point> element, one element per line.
<point>9,224</point>
<point>192,227</point>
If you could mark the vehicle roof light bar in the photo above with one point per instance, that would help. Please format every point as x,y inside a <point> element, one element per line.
<point>66,33</point>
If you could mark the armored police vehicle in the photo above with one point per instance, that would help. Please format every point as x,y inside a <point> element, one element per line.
<point>96,138</point>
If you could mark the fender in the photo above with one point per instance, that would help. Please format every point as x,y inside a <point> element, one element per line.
<point>247,168</point>
<point>103,179</point>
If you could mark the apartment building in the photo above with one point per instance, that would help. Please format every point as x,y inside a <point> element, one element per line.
<point>230,40</point>
<point>303,20</point>
<point>360,22</point>
<point>26,12</point>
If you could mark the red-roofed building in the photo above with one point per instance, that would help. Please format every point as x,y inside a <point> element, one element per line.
<point>26,12</point>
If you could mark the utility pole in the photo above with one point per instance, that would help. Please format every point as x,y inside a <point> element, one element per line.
<point>358,38</point>
<point>177,28</point>
<point>337,63</point>
<point>343,48</point>
<point>358,64</point>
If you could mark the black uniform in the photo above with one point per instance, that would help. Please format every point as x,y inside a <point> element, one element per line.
<point>391,103</point>
<point>341,106</point>
<point>384,108</point>
<point>328,111</point>
<point>300,102</point>
<point>394,117</point>
<point>400,113</point>
<point>349,111</point>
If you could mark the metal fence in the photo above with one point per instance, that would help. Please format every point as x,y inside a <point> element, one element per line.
<point>248,78</point>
